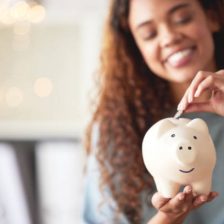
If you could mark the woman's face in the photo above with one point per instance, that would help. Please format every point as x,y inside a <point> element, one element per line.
<point>174,37</point>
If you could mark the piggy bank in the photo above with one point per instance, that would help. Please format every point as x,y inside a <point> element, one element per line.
<point>178,152</point>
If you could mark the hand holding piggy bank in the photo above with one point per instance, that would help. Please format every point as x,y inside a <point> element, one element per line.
<point>179,152</point>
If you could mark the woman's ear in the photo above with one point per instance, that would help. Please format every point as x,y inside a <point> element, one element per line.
<point>213,22</point>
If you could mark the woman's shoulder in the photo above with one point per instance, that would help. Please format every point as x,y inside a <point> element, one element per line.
<point>213,120</point>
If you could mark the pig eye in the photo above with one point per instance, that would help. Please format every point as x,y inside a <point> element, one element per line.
<point>173,135</point>
<point>195,137</point>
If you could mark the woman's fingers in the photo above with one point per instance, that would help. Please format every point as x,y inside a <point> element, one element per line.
<point>184,102</point>
<point>199,78</point>
<point>199,200</point>
<point>189,94</point>
<point>212,82</point>
<point>203,81</point>
<point>202,199</point>
<point>212,196</point>
<point>181,203</point>
<point>174,204</point>
<point>177,208</point>
<point>168,204</point>
<point>207,83</point>
<point>158,201</point>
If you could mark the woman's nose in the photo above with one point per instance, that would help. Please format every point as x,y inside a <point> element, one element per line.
<point>169,37</point>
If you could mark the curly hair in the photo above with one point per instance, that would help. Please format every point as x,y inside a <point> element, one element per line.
<point>131,99</point>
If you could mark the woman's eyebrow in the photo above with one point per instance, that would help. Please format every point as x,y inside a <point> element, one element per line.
<point>170,11</point>
<point>177,7</point>
<point>147,22</point>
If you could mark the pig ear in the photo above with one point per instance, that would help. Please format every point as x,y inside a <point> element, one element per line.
<point>198,124</point>
<point>164,126</point>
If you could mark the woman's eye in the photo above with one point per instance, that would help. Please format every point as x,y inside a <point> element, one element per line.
<point>149,36</point>
<point>183,20</point>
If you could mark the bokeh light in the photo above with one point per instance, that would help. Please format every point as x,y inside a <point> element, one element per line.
<point>43,87</point>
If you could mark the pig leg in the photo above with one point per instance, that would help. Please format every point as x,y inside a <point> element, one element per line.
<point>168,189</point>
<point>202,187</point>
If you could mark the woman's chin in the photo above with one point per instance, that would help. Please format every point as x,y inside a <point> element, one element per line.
<point>181,78</point>
<point>182,75</point>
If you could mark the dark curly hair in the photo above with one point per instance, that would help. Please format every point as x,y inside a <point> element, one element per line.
<point>131,99</point>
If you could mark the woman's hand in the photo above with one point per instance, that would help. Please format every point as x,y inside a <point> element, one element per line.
<point>205,82</point>
<point>174,210</point>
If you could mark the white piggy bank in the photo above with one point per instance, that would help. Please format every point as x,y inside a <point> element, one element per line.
<point>179,152</point>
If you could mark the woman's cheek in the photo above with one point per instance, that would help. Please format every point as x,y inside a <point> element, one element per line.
<point>150,54</point>
<point>199,31</point>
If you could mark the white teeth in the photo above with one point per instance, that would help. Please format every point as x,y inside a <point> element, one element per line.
<point>178,56</point>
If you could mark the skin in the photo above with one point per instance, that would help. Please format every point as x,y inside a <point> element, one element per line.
<point>174,210</point>
<point>161,29</point>
<point>212,82</point>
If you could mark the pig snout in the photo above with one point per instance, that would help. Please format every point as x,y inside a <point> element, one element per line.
<point>185,153</point>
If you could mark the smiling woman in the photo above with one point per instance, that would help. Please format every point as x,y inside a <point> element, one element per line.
<point>155,54</point>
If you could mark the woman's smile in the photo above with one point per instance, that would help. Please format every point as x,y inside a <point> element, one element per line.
<point>180,58</point>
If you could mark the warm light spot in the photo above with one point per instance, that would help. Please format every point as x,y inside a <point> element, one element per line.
<point>37,14</point>
<point>6,18</point>
<point>14,97</point>
<point>43,87</point>
<point>20,10</point>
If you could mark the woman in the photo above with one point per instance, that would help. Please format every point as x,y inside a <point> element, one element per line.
<point>157,55</point>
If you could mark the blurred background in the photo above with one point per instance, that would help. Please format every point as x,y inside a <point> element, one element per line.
<point>49,50</point>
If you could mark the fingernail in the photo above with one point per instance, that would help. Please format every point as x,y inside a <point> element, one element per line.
<point>188,189</point>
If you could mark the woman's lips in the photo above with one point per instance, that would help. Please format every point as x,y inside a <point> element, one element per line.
<point>180,58</point>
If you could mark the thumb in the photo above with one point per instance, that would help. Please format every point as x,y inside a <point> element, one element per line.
<point>159,201</point>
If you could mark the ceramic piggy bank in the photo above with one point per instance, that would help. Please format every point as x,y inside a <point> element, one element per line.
<point>179,152</point>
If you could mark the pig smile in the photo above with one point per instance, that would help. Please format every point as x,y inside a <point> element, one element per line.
<point>186,171</point>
